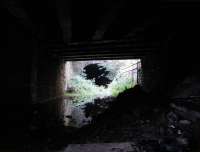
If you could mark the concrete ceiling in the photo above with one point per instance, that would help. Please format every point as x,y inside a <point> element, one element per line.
<point>73,21</point>
<point>64,24</point>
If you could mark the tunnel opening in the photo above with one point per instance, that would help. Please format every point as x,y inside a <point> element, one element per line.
<point>92,85</point>
<point>161,116</point>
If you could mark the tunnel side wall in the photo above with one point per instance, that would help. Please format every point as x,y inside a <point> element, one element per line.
<point>50,89</point>
<point>33,83</point>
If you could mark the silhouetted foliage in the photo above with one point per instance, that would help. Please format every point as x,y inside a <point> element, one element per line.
<point>98,73</point>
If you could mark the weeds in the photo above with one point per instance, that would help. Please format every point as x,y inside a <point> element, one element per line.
<point>86,90</point>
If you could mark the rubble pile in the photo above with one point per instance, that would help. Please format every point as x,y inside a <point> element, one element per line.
<point>154,124</point>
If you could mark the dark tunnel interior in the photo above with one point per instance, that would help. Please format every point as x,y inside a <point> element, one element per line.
<point>161,113</point>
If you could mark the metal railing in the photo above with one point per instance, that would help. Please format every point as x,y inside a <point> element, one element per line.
<point>136,67</point>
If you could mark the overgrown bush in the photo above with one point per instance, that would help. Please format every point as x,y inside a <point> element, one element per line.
<point>101,73</point>
<point>120,84</point>
<point>86,90</point>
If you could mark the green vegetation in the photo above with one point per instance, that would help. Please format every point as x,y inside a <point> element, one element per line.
<point>100,80</point>
<point>87,91</point>
<point>121,84</point>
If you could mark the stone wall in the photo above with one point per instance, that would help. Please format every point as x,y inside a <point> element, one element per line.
<point>153,74</point>
<point>32,80</point>
<point>50,86</point>
<point>16,62</point>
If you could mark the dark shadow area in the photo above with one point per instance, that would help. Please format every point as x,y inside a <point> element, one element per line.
<point>161,114</point>
<point>153,126</point>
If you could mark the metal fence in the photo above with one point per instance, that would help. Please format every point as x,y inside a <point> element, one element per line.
<point>134,71</point>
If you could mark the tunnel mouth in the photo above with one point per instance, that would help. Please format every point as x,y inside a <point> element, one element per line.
<point>92,85</point>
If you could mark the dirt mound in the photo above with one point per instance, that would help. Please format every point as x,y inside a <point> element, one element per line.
<point>139,117</point>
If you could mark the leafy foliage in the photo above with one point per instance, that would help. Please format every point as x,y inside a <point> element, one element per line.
<point>99,80</point>
<point>121,84</point>
<point>98,73</point>
<point>86,90</point>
